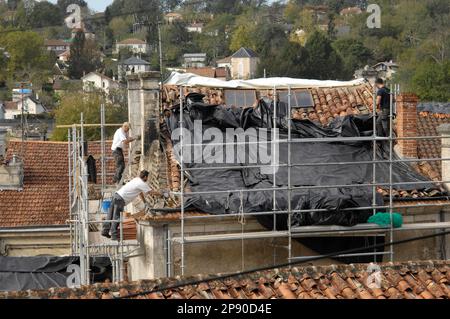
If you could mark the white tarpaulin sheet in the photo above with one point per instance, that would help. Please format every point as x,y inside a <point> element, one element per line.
<point>192,80</point>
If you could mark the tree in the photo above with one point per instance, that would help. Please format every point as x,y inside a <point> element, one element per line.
<point>354,55</point>
<point>431,81</point>
<point>45,14</point>
<point>84,56</point>
<point>71,106</point>
<point>323,61</point>
<point>287,61</point>
<point>27,56</point>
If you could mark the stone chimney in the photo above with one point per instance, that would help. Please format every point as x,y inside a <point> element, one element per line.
<point>2,143</point>
<point>407,124</point>
<point>144,107</point>
<point>444,131</point>
<point>11,174</point>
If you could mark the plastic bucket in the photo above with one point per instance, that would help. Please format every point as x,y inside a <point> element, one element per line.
<point>106,204</point>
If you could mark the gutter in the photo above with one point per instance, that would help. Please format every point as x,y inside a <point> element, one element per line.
<point>48,229</point>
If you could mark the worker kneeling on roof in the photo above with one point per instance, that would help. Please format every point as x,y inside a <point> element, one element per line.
<point>128,193</point>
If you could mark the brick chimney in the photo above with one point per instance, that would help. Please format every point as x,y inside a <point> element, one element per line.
<point>407,124</point>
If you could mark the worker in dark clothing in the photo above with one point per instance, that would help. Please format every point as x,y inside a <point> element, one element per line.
<point>384,105</point>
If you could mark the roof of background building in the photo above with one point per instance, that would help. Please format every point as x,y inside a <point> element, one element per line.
<point>430,117</point>
<point>245,53</point>
<point>44,200</point>
<point>224,60</point>
<point>408,280</point>
<point>132,41</point>
<point>208,72</point>
<point>134,61</point>
<point>194,55</point>
<point>10,105</point>
<point>56,42</point>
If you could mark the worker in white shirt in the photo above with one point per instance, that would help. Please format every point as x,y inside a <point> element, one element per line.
<point>134,188</point>
<point>121,138</point>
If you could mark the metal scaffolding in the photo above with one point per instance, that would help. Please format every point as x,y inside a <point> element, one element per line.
<point>82,218</point>
<point>308,231</point>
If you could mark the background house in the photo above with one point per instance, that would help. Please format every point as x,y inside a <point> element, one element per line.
<point>57,46</point>
<point>172,17</point>
<point>386,69</point>
<point>33,220</point>
<point>96,81</point>
<point>31,105</point>
<point>244,64</point>
<point>224,63</point>
<point>194,60</point>
<point>195,27</point>
<point>136,46</point>
<point>133,65</point>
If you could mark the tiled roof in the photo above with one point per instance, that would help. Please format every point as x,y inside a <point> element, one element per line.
<point>44,200</point>
<point>329,103</point>
<point>412,280</point>
<point>9,105</point>
<point>135,61</point>
<point>132,41</point>
<point>245,53</point>
<point>56,42</point>
<point>427,124</point>
<point>208,72</point>
<point>439,109</point>
<point>224,60</point>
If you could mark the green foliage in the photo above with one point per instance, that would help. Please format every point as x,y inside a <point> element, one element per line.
<point>353,54</point>
<point>84,56</point>
<point>44,14</point>
<point>323,62</point>
<point>431,81</point>
<point>73,105</point>
<point>28,58</point>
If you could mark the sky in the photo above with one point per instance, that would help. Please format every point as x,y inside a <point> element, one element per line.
<point>97,5</point>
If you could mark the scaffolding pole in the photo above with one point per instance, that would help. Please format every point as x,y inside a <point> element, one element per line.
<point>182,181</point>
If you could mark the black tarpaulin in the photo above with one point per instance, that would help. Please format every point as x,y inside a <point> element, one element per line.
<point>38,273</point>
<point>261,119</point>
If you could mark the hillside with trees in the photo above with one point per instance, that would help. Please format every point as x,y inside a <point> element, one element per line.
<point>297,38</point>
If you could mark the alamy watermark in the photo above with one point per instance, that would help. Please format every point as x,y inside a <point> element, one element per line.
<point>374,19</point>
<point>231,146</point>
<point>374,279</point>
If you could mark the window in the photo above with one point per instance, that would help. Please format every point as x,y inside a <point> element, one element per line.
<point>299,98</point>
<point>240,98</point>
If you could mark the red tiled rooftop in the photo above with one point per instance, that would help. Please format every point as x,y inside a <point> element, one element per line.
<point>44,200</point>
<point>427,124</point>
<point>411,280</point>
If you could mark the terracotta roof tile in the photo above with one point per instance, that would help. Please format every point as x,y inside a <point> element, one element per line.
<point>412,280</point>
<point>427,125</point>
<point>44,199</point>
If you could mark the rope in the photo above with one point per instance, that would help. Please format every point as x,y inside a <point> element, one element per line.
<point>241,217</point>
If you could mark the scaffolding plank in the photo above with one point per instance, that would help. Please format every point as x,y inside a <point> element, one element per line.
<point>311,231</point>
<point>231,236</point>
